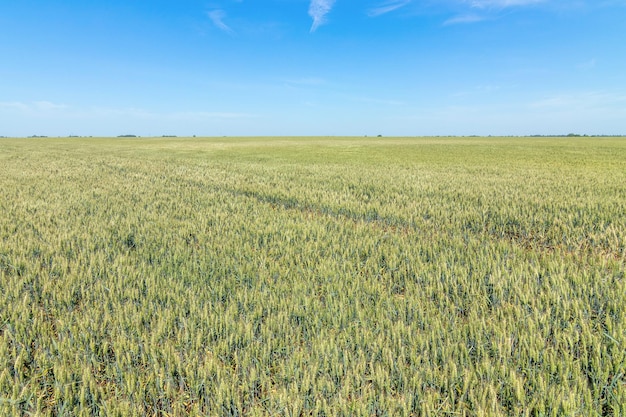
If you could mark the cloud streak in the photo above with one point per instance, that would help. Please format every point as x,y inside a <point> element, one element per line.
<point>49,106</point>
<point>481,10</point>
<point>217,17</point>
<point>468,18</point>
<point>37,106</point>
<point>484,4</point>
<point>202,115</point>
<point>386,7</point>
<point>583,100</point>
<point>13,105</point>
<point>318,9</point>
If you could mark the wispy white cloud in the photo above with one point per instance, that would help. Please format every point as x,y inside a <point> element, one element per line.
<point>589,65</point>
<point>474,11</point>
<point>587,100</point>
<point>37,106</point>
<point>203,115</point>
<point>386,7</point>
<point>143,114</point>
<point>14,105</point>
<point>49,106</point>
<point>217,17</point>
<point>318,9</point>
<point>501,3</point>
<point>45,108</point>
<point>466,18</point>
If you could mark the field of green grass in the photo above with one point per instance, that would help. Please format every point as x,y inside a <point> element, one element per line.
<point>313,276</point>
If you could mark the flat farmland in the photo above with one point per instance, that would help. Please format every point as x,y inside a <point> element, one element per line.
<point>313,276</point>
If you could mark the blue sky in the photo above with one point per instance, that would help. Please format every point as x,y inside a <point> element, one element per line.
<point>312,67</point>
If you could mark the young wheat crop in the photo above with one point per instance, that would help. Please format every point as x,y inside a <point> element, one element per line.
<point>313,276</point>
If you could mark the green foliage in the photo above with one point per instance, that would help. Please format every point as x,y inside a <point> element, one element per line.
<point>311,276</point>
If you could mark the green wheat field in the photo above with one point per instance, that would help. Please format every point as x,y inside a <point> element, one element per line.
<point>313,276</point>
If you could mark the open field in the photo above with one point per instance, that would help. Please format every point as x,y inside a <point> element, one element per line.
<point>313,276</point>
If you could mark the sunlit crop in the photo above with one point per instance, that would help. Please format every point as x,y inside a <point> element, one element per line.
<point>313,276</point>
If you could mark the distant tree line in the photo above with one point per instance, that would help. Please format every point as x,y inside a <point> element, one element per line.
<point>569,135</point>
<point>576,135</point>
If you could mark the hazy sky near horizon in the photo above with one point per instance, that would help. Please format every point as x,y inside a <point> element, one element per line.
<point>312,67</point>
